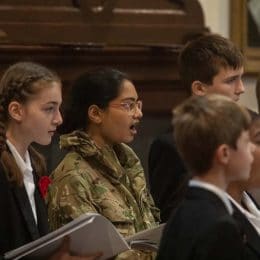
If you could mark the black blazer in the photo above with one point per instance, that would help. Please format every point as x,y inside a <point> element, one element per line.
<point>252,237</point>
<point>17,224</point>
<point>167,175</point>
<point>202,229</point>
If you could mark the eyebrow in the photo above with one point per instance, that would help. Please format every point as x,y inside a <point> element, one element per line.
<point>130,99</point>
<point>52,103</point>
<point>232,78</point>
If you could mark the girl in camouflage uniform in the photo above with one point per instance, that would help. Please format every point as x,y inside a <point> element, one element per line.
<point>100,173</point>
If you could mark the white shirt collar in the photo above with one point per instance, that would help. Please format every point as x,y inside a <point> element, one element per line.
<point>219,192</point>
<point>24,165</point>
<point>252,214</point>
<point>250,204</point>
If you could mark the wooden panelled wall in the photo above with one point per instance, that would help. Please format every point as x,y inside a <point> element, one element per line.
<point>142,38</point>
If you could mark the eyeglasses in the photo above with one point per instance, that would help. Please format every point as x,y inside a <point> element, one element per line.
<point>130,106</point>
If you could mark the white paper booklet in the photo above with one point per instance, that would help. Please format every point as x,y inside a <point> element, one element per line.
<point>146,239</point>
<point>90,233</point>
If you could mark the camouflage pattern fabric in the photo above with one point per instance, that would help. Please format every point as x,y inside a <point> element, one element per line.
<point>108,180</point>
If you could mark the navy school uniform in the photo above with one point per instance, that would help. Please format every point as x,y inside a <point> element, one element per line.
<point>17,223</point>
<point>203,228</point>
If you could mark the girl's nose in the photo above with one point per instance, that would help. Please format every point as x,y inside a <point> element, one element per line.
<point>58,118</point>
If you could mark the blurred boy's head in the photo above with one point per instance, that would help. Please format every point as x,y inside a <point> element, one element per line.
<point>213,130</point>
<point>212,64</point>
<point>254,180</point>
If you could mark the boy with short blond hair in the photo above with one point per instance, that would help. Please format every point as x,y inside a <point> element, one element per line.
<point>212,138</point>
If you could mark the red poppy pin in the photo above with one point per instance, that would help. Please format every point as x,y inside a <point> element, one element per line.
<point>43,185</point>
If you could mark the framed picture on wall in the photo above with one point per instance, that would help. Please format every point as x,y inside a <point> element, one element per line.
<point>245,31</point>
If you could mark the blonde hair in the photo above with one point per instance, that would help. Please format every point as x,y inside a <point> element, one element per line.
<point>201,124</point>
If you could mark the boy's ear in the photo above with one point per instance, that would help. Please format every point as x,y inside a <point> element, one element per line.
<point>15,110</point>
<point>223,154</point>
<point>95,114</point>
<point>198,88</point>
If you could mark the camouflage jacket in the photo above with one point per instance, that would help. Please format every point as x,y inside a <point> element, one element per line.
<point>109,181</point>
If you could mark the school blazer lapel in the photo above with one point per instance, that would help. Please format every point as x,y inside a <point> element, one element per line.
<point>42,216</point>
<point>252,237</point>
<point>25,207</point>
